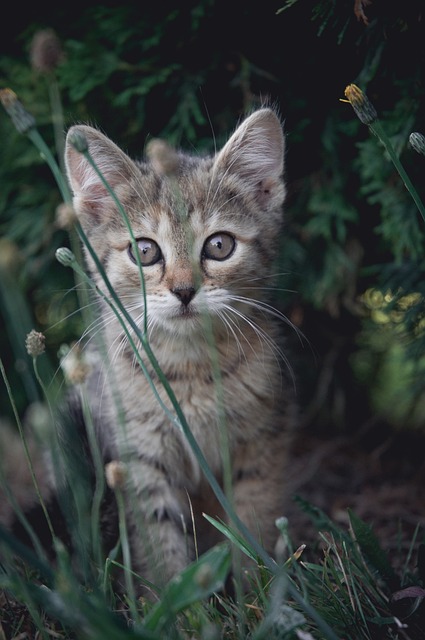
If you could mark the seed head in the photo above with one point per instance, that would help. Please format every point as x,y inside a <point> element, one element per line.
<point>73,364</point>
<point>417,142</point>
<point>22,120</point>
<point>361,104</point>
<point>115,474</point>
<point>35,343</point>
<point>45,53</point>
<point>10,257</point>
<point>65,256</point>
<point>66,216</point>
<point>163,157</point>
<point>78,141</point>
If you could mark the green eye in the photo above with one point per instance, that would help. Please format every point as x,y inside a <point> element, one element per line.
<point>149,252</point>
<point>219,246</point>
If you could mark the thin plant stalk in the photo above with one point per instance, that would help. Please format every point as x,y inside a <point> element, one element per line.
<point>367,114</point>
<point>57,119</point>
<point>125,545</point>
<point>26,451</point>
<point>99,489</point>
<point>35,137</point>
<point>377,128</point>
<point>43,388</point>
<point>124,216</point>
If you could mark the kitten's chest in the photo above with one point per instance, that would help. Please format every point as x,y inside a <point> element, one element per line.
<point>230,402</point>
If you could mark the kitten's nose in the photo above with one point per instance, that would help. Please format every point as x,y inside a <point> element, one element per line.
<point>184,294</point>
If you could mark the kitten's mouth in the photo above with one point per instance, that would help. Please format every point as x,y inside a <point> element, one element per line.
<point>186,312</point>
<point>184,321</point>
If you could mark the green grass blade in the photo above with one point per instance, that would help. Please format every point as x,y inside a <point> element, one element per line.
<point>371,548</point>
<point>198,581</point>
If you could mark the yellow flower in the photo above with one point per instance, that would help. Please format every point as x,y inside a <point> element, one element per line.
<point>361,104</point>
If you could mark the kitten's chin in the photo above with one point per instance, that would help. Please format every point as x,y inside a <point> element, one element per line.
<point>186,323</point>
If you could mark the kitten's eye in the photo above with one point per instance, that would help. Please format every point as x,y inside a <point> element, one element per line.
<point>149,252</point>
<point>220,246</point>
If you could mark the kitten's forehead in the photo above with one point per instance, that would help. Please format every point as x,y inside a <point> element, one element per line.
<point>195,198</point>
<point>181,211</point>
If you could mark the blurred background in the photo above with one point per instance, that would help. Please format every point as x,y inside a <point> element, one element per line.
<point>351,262</point>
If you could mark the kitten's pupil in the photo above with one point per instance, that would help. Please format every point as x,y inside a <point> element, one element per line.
<point>149,252</point>
<point>219,246</point>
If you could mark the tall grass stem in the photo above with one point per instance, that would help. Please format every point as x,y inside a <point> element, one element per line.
<point>26,450</point>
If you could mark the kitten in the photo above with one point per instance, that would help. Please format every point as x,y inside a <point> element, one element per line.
<point>207,231</point>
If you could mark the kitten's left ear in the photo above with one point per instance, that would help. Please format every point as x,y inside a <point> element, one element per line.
<point>255,153</point>
<point>91,198</point>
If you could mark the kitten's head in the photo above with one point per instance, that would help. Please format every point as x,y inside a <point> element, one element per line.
<point>206,235</point>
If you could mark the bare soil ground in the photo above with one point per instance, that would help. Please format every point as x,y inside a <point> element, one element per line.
<point>377,473</point>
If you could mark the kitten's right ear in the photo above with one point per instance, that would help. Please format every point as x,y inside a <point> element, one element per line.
<point>255,153</point>
<point>91,197</point>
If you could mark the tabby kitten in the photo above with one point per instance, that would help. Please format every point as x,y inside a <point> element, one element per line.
<point>207,230</point>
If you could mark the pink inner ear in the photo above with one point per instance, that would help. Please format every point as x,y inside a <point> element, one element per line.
<point>97,191</point>
<point>267,185</point>
<point>265,190</point>
<point>92,200</point>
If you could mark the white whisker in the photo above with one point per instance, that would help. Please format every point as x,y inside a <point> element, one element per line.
<point>267,308</point>
<point>264,338</point>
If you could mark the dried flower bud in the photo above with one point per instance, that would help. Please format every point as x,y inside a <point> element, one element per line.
<point>417,142</point>
<point>361,104</point>
<point>35,343</point>
<point>37,417</point>
<point>10,256</point>
<point>66,216</point>
<point>73,364</point>
<point>298,553</point>
<point>65,256</point>
<point>22,120</point>
<point>163,157</point>
<point>78,141</point>
<point>115,474</point>
<point>45,52</point>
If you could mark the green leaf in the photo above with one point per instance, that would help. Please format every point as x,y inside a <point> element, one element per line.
<point>198,581</point>
<point>233,536</point>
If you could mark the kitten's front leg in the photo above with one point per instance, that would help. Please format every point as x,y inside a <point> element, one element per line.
<point>158,523</point>
<point>259,487</point>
